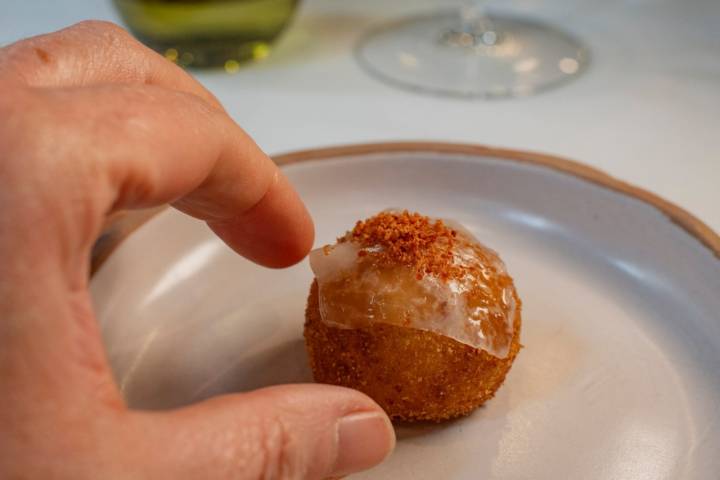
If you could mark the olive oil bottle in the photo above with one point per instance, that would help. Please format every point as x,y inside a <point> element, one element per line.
<point>205,33</point>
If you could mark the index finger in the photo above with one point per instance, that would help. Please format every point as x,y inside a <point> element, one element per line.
<point>90,53</point>
<point>117,147</point>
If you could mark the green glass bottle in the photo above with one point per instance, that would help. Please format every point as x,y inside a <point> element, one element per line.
<point>208,33</point>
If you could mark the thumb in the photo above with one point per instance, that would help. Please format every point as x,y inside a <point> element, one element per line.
<point>284,432</point>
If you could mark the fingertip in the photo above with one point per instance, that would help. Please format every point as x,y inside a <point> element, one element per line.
<point>364,436</point>
<point>277,232</point>
<point>364,440</point>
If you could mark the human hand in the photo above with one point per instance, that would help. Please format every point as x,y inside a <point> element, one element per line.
<point>94,122</point>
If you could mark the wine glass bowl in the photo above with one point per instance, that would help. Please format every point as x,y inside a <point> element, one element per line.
<point>208,33</point>
<point>463,54</point>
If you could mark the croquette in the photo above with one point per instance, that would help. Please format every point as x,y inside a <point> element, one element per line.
<point>415,313</point>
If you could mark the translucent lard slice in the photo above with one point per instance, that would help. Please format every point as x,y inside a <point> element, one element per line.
<point>357,289</point>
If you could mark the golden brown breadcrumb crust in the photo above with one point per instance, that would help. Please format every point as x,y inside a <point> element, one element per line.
<point>412,374</point>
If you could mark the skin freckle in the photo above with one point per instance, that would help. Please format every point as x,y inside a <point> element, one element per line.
<point>42,55</point>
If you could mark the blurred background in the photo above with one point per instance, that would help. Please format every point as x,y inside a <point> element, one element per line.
<point>646,108</point>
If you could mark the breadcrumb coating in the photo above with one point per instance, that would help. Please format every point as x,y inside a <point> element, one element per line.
<point>414,375</point>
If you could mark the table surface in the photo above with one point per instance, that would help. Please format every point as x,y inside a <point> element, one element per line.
<point>646,111</point>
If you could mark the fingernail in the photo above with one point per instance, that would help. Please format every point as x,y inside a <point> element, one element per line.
<point>364,440</point>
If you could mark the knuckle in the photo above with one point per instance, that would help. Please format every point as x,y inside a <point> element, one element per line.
<point>103,27</point>
<point>103,33</point>
<point>279,457</point>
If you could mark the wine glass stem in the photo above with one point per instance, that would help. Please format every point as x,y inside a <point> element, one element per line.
<point>476,28</point>
<point>473,16</point>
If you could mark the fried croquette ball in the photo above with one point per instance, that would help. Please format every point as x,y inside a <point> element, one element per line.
<point>415,313</point>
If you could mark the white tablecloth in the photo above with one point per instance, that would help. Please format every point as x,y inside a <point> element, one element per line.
<point>647,110</point>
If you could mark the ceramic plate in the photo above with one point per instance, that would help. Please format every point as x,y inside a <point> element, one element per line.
<point>621,313</point>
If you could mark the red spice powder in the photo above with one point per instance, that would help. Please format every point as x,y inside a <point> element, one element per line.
<point>408,239</point>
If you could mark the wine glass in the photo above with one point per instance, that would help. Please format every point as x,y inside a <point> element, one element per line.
<point>470,52</point>
<point>208,33</point>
